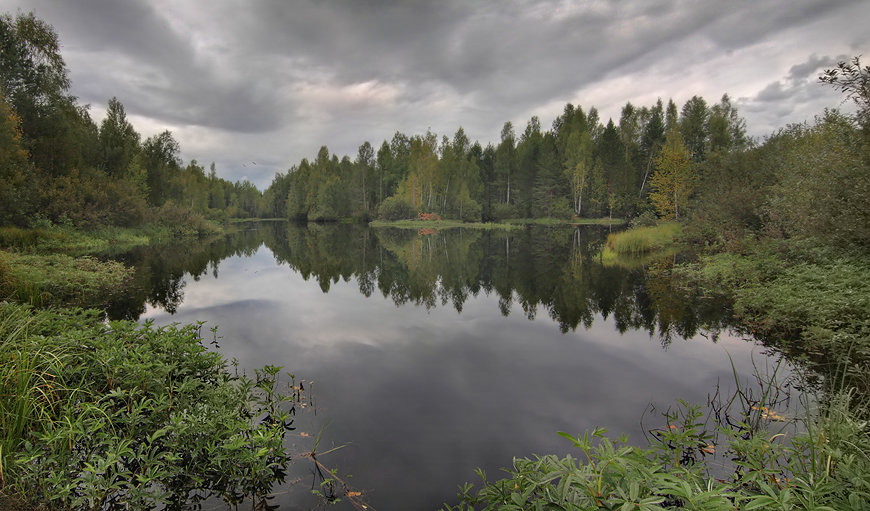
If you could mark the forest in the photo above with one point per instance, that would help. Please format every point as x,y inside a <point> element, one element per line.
<point>647,163</point>
<point>58,166</point>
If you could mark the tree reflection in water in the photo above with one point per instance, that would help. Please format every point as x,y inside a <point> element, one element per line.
<point>552,270</point>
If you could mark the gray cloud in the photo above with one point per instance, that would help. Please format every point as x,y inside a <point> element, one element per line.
<point>271,80</point>
<point>795,97</point>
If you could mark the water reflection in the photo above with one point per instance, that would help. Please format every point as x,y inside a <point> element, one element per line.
<point>555,271</point>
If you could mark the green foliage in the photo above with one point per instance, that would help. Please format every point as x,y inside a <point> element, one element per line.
<point>800,293</point>
<point>504,211</point>
<point>395,208</point>
<point>674,178</point>
<point>182,221</point>
<point>121,415</point>
<point>18,192</point>
<point>823,183</point>
<point>823,467</point>
<point>854,81</point>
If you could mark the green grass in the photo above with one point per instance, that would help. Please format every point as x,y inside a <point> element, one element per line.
<point>643,240</point>
<point>439,224</point>
<point>57,279</point>
<point>562,221</point>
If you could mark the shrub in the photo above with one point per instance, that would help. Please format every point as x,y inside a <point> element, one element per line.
<point>395,208</point>
<point>502,211</point>
<point>126,416</point>
<point>471,211</point>
<point>182,221</point>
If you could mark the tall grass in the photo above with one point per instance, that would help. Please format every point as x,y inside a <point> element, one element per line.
<point>57,279</point>
<point>643,240</point>
<point>29,383</point>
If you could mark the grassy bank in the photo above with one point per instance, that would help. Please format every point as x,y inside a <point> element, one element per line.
<point>563,221</point>
<point>506,224</point>
<point>73,241</point>
<point>98,416</point>
<point>61,280</point>
<point>643,240</point>
<point>439,224</point>
<point>639,246</point>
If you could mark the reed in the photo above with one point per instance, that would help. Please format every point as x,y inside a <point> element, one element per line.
<point>643,240</point>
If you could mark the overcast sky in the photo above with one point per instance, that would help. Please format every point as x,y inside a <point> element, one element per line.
<point>256,85</point>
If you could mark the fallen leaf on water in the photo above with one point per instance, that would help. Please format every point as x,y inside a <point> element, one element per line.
<point>773,416</point>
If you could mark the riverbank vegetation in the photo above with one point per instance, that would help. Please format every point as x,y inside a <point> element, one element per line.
<point>738,453</point>
<point>642,240</point>
<point>61,280</point>
<point>113,415</point>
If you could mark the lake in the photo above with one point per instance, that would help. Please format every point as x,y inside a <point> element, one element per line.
<point>431,353</point>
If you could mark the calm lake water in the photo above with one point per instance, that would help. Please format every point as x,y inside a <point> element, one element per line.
<point>430,354</point>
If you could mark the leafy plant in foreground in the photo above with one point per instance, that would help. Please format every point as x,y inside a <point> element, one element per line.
<point>825,467</point>
<point>125,416</point>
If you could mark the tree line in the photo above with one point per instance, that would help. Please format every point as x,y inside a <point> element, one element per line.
<point>649,161</point>
<point>57,164</point>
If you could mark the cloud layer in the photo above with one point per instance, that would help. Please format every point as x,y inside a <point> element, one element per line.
<point>270,81</point>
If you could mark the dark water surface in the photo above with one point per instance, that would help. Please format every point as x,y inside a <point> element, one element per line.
<point>432,354</point>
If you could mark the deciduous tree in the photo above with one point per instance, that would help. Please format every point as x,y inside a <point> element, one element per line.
<point>674,178</point>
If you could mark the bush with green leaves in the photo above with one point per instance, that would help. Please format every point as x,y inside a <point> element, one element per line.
<point>760,464</point>
<point>395,208</point>
<point>124,416</point>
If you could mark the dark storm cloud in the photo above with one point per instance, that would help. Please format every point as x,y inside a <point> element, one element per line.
<point>272,80</point>
<point>155,69</point>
